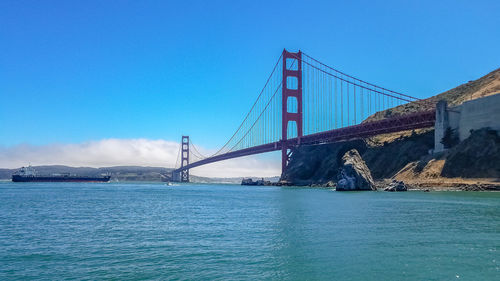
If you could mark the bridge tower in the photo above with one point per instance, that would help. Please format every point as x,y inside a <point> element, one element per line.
<point>291,95</point>
<point>184,177</point>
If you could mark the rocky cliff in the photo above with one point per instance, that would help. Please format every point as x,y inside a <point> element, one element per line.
<point>319,164</point>
<point>405,155</point>
<point>354,174</point>
<point>476,157</point>
<point>405,158</point>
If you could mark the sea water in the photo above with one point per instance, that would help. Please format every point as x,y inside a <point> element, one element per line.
<point>132,231</point>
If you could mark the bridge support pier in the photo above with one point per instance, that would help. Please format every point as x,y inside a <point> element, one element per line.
<point>291,102</point>
<point>184,174</point>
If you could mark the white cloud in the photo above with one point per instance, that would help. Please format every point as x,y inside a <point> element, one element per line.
<point>136,152</point>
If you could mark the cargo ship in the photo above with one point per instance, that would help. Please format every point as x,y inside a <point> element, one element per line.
<point>28,174</point>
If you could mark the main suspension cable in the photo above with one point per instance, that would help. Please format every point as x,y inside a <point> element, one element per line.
<point>253,106</point>
<point>353,83</point>
<point>272,97</point>
<point>362,81</point>
<point>197,151</point>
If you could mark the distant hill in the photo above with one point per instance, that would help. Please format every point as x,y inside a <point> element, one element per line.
<point>124,173</point>
<point>485,86</point>
<point>120,173</point>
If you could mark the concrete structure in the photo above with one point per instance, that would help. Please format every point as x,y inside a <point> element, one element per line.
<point>442,122</point>
<point>471,115</point>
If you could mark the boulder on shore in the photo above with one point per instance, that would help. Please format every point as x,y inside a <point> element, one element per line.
<point>396,186</point>
<point>354,174</point>
<point>331,184</point>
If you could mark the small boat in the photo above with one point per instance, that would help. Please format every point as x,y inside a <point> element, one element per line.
<point>249,181</point>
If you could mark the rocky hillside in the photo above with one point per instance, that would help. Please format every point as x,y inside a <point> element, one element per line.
<point>405,158</point>
<point>476,157</point>
<point>319,164</point>
<point>405,155</point>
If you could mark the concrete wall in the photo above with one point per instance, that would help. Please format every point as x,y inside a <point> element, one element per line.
<point>471,115</point>
<point>479,113</point>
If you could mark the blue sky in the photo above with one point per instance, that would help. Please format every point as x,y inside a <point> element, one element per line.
<point>79,71</point>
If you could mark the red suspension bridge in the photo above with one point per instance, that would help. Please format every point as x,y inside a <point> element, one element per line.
<point>305,102</point>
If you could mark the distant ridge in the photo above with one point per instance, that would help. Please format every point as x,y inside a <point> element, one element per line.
<point>124,173</point>
<point>121,173</point>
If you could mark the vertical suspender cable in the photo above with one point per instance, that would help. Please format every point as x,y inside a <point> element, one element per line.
<point>335,113</point>
<point>341,104</point>
<point>354,104</point>
<point>348,107</point>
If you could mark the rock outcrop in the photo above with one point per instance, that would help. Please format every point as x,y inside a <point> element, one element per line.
<point>354,174</point>
<point>478,156</point>
<point>396,186</point>
<point>319,164</point>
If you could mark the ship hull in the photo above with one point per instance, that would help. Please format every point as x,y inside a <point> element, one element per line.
<point>19,178</point>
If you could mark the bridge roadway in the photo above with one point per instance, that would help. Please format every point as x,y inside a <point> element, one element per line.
<point>391,125</point>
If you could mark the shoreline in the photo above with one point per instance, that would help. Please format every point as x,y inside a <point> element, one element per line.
<point>441,184</point>
<point>455,184</point>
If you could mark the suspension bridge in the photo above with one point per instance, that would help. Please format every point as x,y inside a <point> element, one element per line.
<point>307,102</point>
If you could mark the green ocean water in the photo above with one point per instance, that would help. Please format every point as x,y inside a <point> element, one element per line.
<point>130,231</point>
